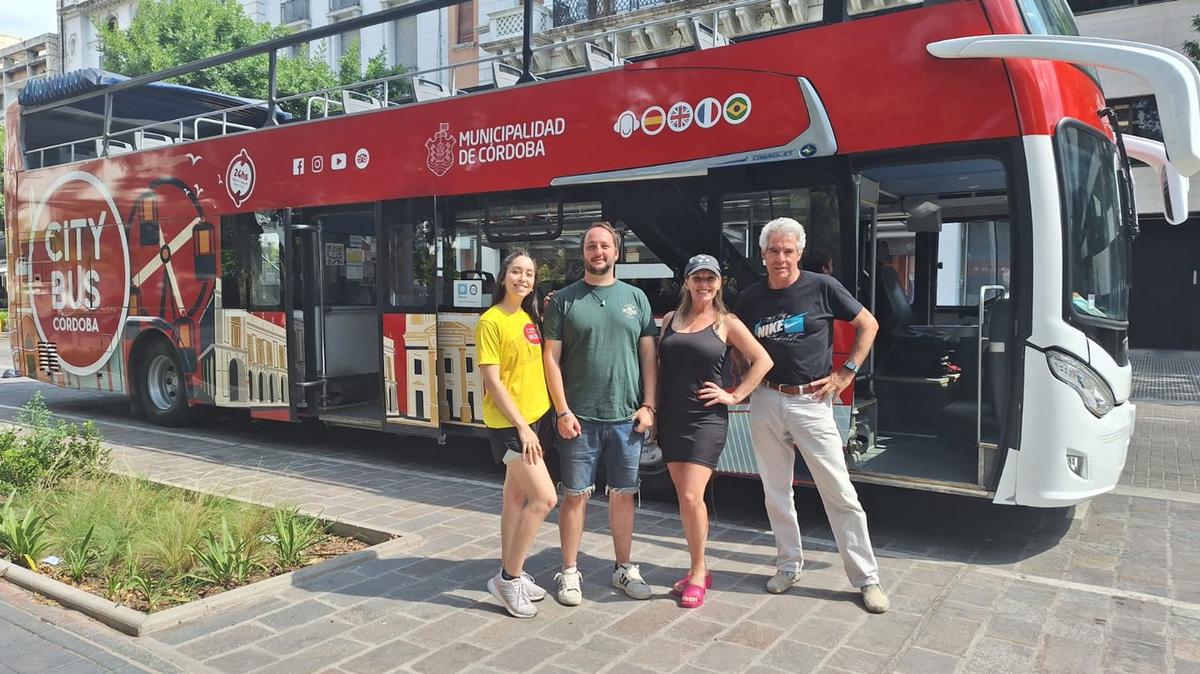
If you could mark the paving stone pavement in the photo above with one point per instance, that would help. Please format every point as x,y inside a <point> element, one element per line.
<point>975,588</point>
<point>1108,590</point>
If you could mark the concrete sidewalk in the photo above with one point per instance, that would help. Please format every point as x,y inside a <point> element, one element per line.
<point>1007,601</point>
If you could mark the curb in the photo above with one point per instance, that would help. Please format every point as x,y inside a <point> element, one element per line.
<point>118,617</point>
<point>136,623</point>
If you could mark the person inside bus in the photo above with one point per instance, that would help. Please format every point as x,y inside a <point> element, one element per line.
<point>601,367</point>
<point>791,313</point>
<point>694,403</point>
<point>817,261</point>
<point>516,412</point>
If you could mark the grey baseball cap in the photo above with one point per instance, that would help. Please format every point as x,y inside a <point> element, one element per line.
<point>702,262</point>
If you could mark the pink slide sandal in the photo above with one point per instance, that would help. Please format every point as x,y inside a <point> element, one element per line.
<point>681,584</point>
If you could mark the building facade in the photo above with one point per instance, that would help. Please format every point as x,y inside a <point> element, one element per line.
<point>23,59</point>
<point>429,42</point>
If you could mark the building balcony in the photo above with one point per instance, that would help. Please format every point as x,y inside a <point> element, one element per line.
<point>340,9</point>
<point>295,13</point>
<point>510,23</point>
<point>567,12</point>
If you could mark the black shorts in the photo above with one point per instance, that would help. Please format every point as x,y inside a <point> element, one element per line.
<point>505,440</point>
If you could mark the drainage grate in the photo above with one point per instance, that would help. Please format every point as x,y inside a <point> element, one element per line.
<point>1166,375</point>
<point>48,357</point>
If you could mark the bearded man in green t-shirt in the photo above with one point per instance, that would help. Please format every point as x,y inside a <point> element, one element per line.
<point>601,369</point>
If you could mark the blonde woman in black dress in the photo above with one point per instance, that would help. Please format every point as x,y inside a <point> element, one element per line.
<point>693,402</point>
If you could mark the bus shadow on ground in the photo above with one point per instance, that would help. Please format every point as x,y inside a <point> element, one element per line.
<point>903,522</point>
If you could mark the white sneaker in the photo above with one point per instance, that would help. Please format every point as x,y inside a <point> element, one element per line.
<point>628,577</point>
<point>511,594</point>
<point>534,591</point>
<point>875,600</point>
<point>782,581</point>
<point>569,592</point>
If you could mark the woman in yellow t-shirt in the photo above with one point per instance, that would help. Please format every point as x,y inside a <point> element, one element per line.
<point>515,407</point>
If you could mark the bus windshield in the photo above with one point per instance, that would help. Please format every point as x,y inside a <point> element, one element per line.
<point>1097,245</point>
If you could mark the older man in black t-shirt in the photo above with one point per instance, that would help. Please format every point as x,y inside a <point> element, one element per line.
<point>792,315</point>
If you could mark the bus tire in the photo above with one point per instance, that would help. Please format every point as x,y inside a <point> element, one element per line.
<point>161,391</point>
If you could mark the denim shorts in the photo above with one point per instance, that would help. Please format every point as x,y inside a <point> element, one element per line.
<point>616,443</point>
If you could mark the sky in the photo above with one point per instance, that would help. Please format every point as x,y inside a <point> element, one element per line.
<point>28,18</point>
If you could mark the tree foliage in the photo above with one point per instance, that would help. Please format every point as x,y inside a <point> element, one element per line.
<point>168,33</point>
<point>1192,47</point>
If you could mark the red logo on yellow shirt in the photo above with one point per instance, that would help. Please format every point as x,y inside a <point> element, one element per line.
<point>531,334</point>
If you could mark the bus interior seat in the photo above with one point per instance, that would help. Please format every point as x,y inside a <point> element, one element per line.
<point>906,348</point>
<point>428,90</point>
<point>705,36</point>
<point>352,101</point>
<point>145,139</point>
<point>599,58</point>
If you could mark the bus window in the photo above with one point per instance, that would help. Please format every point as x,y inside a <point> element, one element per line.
<point>470,257</point>
<point>349,252</point>
<point>743,216</point>
<point>639,266</point>
<point>971,255</point>
<point>412,253</point>
<point>1096,245</point>
<point>251,245</point>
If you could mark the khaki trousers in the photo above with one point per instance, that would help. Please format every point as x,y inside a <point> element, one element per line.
<point>780,424</point>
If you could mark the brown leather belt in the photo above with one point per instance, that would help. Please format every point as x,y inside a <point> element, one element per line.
<point>790,389</point>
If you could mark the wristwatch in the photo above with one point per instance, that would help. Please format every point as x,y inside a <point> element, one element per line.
<point>851,365</point>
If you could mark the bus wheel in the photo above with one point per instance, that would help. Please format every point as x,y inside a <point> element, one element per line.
<point>162,393</point>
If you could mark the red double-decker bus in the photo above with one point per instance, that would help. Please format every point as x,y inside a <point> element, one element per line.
<point>327,255</point>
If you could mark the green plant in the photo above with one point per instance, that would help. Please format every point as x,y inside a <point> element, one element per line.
<point>225,559</point>
<point>153,588</point>
<point>80,557</point>
<point>25,536</point>
<point>114,587</point>
<point>293,535</point>
<point>48,450</point>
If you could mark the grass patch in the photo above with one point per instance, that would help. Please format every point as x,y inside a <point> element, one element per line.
<point>149,546</point>
<point>141,544</point>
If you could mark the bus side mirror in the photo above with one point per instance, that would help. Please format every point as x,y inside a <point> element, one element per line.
<point>1174,185</point>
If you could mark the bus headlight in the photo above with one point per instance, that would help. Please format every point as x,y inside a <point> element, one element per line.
<point>1092,389</point>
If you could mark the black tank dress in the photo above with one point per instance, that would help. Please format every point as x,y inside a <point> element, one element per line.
<point>687,430</point>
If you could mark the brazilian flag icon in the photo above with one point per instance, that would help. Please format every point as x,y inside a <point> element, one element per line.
<point>737,108</point>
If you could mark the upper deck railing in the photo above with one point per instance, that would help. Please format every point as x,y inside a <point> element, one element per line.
<point>588,52</point>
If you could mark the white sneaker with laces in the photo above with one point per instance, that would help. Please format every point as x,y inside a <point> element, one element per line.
<point>628,577</point>
<point>532,589</point>
<point>569,592</point>
<point>511,594</point>
<point>782,581</point>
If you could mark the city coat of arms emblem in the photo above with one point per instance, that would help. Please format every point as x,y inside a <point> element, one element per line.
<point>441,150</point>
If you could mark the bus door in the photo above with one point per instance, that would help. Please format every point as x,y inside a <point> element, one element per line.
<point>934,264</point>
<point>408,280</point>
<point>334,314</point>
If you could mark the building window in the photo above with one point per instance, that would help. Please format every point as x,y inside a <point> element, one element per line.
<point>234,379</point>
<point>1084,6</point>
<point>261,380</point>
<point>471,402</point>
<point>470,364</point>
<point>111,23</point>
<point>1138,116</point>
<point>250,387</point>
<point>450,403</point>
<point>418,365</point>
<point>465,31</point>
<point>419,403</point>
<point>449,362</point>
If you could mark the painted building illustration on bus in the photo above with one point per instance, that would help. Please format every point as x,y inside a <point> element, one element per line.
<point>246,365</point>
<point>463,387</point>
<point>410,379</point>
